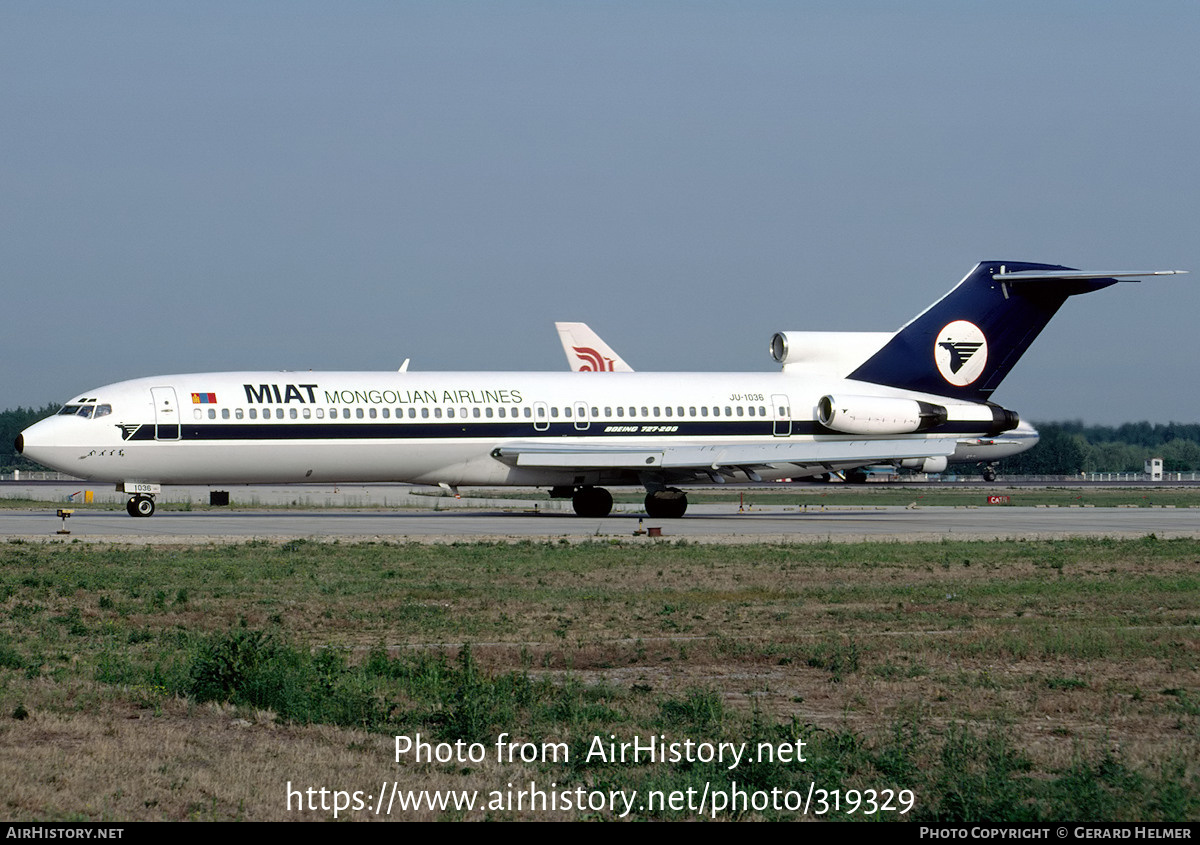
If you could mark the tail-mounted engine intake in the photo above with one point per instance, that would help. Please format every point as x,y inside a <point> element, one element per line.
<point>835,352</point>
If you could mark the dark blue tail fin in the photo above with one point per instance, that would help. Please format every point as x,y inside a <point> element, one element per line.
<point>964,344</point>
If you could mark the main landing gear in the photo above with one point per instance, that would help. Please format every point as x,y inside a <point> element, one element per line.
<point>989,472</point>
<point>595,502</point>
<point>592,502</point>
<point>668,503</point>
<point>661,503</point>
<point>140,505</point>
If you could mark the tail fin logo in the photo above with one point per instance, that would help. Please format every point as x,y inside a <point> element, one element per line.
<point>594,361</point>
<point>960,352</point>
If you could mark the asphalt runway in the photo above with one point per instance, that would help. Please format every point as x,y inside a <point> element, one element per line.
<point>718,523</point>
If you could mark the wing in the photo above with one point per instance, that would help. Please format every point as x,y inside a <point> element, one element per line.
<point>702,459</point>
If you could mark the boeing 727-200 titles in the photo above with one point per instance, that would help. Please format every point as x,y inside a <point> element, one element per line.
<point>920,397</point>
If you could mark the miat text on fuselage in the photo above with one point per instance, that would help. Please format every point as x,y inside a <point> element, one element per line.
<point>307,394</point>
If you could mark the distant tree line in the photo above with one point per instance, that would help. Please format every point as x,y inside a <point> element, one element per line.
<point>1069,448</point>
<point>13,423</point>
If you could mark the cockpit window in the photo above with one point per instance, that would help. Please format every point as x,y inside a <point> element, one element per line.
<point>78,411</point>
<point>85,411</point>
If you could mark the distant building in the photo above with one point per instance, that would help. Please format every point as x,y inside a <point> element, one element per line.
<point>1154,468</point>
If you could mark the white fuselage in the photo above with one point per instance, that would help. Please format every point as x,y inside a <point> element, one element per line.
<point>442,428</point>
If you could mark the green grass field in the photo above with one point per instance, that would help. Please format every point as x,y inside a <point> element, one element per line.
<point>1020,681</point>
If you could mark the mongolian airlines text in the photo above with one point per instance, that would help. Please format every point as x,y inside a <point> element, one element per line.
<point>282,394</point>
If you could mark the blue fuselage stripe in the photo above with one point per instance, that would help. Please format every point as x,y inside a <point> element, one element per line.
<point>501,430</point>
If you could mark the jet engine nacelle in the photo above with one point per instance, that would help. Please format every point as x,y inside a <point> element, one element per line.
<point>934,465</point>
<point>878,414</point>
<point>838,352</point>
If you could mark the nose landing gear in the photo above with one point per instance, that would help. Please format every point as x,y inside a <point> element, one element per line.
<point>140,505</point>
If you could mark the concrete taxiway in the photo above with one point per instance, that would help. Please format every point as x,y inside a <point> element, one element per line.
<point>400,515</point>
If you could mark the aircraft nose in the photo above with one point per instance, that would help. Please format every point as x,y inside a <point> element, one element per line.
<point>32,441</point>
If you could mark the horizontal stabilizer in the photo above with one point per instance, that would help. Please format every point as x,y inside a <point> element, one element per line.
<point>1076,275</point>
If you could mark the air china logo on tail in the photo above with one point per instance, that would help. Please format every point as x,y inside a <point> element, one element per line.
<point>960,352</point>
<point>594,361</point>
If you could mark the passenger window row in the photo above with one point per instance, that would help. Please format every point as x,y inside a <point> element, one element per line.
<point>527,412</point>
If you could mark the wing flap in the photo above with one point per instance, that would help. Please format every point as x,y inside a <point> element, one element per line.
<point>583,458</point>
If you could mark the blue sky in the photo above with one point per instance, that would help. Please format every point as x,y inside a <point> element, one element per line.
<point>208,186</point>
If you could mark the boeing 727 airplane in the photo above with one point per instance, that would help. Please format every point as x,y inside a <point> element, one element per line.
<point>919,400</point>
